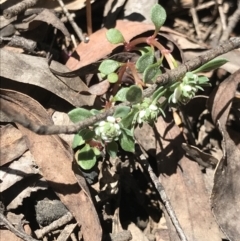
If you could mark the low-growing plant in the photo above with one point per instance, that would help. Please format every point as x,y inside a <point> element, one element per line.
<point>117,130</point>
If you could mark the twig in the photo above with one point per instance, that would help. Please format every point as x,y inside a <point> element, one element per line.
<point>54,225</point>
<point>196,22</point>
<point>16,231</point>
<point>18,8</point>
<point>89,17</point>
<point>233,20</point>
<point>163,79</point>
<point>222,15</point>
<point>77,30</point>
<point>164,198</point>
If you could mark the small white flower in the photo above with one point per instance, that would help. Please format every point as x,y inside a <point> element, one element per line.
<point>111,119</point>
<point>187,88</point>
<point>153,107</point>
<point>101,123</point>
<point>117,127</point>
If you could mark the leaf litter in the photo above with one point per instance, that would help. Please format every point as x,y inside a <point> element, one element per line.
<point>182,178</point>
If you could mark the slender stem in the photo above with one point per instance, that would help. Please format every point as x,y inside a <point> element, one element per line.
<point>89,17</point>
<point>137,80</point>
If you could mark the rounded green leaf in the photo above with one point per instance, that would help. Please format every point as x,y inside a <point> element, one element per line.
<point>127,121</point>
<point>121,94</point>
<point>213,64</point>
<point>79,114</point>
<point>126,140</point>
<point>114,36</point>
<point>158,16</point>
<point>108,66</point>
<point>134,94</point>
<point>86,158</point>
<point>112,78</point>
<point>77,141</point>
<point>112,149</point>
<point>121,111</point>
<point>144,61</point>
<point>151,72</point>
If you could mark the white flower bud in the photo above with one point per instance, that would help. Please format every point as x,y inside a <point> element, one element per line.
<point>111,119</point>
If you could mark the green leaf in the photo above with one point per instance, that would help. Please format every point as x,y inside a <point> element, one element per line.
<point>96,151</point>
<point>145,49</point>
<point>112,78</point>
<point>144,61</point>
<point>79,114</point>
<point>121,94</point>
<point>82,136</point>
<point>134,94</point>
<point>158,16</point>
<point>108,66</point>
<point>151,72</point>
<point>86,157</point>
<point>112,149</point>
<point>203,81</point>
<point>121,111</point>
<point>126,140</point>
<point>158,93</point>
<point>114,36</point>
<point>94,111</point>
<point>127,121</point>
<point>213,64</point>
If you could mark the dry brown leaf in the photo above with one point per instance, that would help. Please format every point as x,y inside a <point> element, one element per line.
<point>100,88</point>
<point>183,182</point>
<point>34,70</point>
<point>12,144</point>
<point>17,170</point>
<point>55,162</point>
<point>226,189</point>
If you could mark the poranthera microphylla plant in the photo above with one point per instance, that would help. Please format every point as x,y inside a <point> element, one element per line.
<point>119,128</point>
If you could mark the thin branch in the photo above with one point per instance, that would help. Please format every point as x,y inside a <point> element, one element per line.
<point>14,230</point>
<point>165,200</point>
<point>54,225</point>
<point>163,79</point>
<point>77,30</point>
<point>18,8</point>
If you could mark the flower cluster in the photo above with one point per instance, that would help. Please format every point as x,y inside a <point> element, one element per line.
<point>148,111</point>
<point>108,130</point>
<point>188,88</point>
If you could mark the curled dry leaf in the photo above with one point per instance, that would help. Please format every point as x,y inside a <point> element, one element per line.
<point>34,70</point>
<point>226,189</point>
<point>55,161</point>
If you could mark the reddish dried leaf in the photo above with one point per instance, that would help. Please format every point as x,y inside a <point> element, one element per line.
<point>55,161</point>
<point>12,144</point>
<point>98,46</point>
<point>226,189</point>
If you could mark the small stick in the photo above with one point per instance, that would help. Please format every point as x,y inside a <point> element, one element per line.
<point>89,17</point>
<point>16,231</point>
<point>54,225</point>
<point>196,22</point>
<point>233,20</point>
<point>165,200</point>
<point>18,8</point>
<point>77,30</point>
